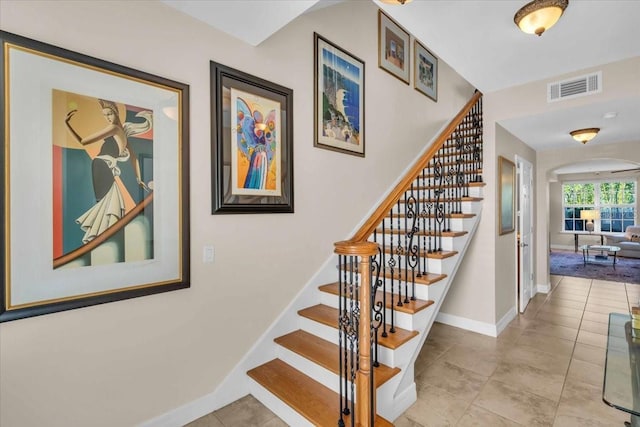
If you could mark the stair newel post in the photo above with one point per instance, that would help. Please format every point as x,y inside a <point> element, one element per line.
<point>365,404</point>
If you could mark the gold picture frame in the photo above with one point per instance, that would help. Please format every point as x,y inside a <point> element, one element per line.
<point>95,188</point>
<point>506,195</point>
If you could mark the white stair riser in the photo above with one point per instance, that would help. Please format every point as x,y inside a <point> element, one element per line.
<point>448,243</point>
<point>466,206</point>
<point>455,224</point>
<point>309,368</point>
<point>402,320</point>
<point>277,406</point>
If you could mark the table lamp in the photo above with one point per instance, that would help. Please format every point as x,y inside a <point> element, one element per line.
<point>589,215</point>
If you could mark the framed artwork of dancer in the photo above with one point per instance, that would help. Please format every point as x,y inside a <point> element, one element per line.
<point>338,99</point>
<point>252,143</point>
<point>95,197</point>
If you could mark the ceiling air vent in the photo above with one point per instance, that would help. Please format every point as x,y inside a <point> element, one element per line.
<point>575,87</point>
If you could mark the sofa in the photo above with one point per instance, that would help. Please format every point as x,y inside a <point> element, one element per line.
<point>629,241</point>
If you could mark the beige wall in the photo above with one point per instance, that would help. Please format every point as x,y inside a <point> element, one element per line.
<point>123,363</point>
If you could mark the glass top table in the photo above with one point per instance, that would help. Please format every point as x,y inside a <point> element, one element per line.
<point>622,368</point>
<point>600,254</point>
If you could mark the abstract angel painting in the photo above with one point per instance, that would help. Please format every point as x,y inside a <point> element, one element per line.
<point>255,159</point>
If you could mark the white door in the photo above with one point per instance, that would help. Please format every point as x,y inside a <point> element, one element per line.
<point>525,179</point>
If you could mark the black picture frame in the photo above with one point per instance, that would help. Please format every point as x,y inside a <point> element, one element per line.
<point>252,143</point>
<point>114,263</point>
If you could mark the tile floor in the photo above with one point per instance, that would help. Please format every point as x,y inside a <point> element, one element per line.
<point>545,369</point>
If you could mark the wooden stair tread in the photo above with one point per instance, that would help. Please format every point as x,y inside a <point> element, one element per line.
<point>411,307</point>
<point>465,172</point>
<point>433,187</point>
<point>422,233</point>
<point>329,316</point>
<point>403,274</point>
<point>326,354</point>
<point>422,254</point>
<point>449,215</point>
<point>449,199</point>
<point>315,402</point>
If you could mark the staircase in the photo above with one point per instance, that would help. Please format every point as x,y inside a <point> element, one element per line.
<point>393,277</point>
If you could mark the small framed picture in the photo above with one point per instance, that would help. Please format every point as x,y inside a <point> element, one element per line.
<point>393,47</point>
<point>338,99</point>
<point>425,71</point>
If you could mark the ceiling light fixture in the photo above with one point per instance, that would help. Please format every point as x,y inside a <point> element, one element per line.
<point>396,1</point>
<point>584,135</point>
<point>539,15</point>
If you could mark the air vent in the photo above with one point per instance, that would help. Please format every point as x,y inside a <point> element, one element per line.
<point>575,87</point>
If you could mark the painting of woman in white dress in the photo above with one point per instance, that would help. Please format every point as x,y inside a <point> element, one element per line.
<point>103,169</point>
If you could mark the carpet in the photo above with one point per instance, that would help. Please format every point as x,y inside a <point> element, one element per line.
<point>571,264</point>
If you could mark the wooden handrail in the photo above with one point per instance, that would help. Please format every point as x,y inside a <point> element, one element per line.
<point>370,225</point>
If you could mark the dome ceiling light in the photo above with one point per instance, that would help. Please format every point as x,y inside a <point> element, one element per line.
<point>396,1</point>
<point>539,15</point>
<point>584,135</point>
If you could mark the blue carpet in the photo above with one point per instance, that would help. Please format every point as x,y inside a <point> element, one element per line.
<point>571,264</point>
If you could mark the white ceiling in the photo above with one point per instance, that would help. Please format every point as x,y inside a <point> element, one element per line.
<point>479,39</point>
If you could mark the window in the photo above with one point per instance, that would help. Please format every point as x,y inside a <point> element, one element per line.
<point>615,201</point>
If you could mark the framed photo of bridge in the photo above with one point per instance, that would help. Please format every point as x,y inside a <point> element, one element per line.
<point>95,196</point>
<point>506,195</point>
<point>252,143</point>
<point>338,99</point>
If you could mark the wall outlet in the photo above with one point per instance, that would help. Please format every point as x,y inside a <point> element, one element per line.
<point>208,255</point>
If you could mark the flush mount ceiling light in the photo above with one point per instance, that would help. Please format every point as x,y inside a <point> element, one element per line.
<point>539,15</point>
<point>396,1</point>
<point>584,135</point>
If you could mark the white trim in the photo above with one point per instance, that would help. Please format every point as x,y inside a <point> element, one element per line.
<point>477,326</point>
<point>563,247</point>
<point>184,414</point>
<point>506,319</point>
<point>468,324</point>
<point>543,289</point>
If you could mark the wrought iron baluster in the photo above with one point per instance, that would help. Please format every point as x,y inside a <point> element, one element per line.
<point>412,248</point>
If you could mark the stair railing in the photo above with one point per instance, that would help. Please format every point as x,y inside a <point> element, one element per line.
<point>415,214</point>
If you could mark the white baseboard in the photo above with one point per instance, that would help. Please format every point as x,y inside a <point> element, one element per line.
<point>184,414</point>
<point>543,289</point>
<point>477,326</point>
<point>468,324</point>
<point>506,319</point>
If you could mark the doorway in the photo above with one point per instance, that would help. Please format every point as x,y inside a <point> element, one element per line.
<point>524,249</point>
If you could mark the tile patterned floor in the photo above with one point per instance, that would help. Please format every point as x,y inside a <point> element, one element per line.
<point>545,369</point>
